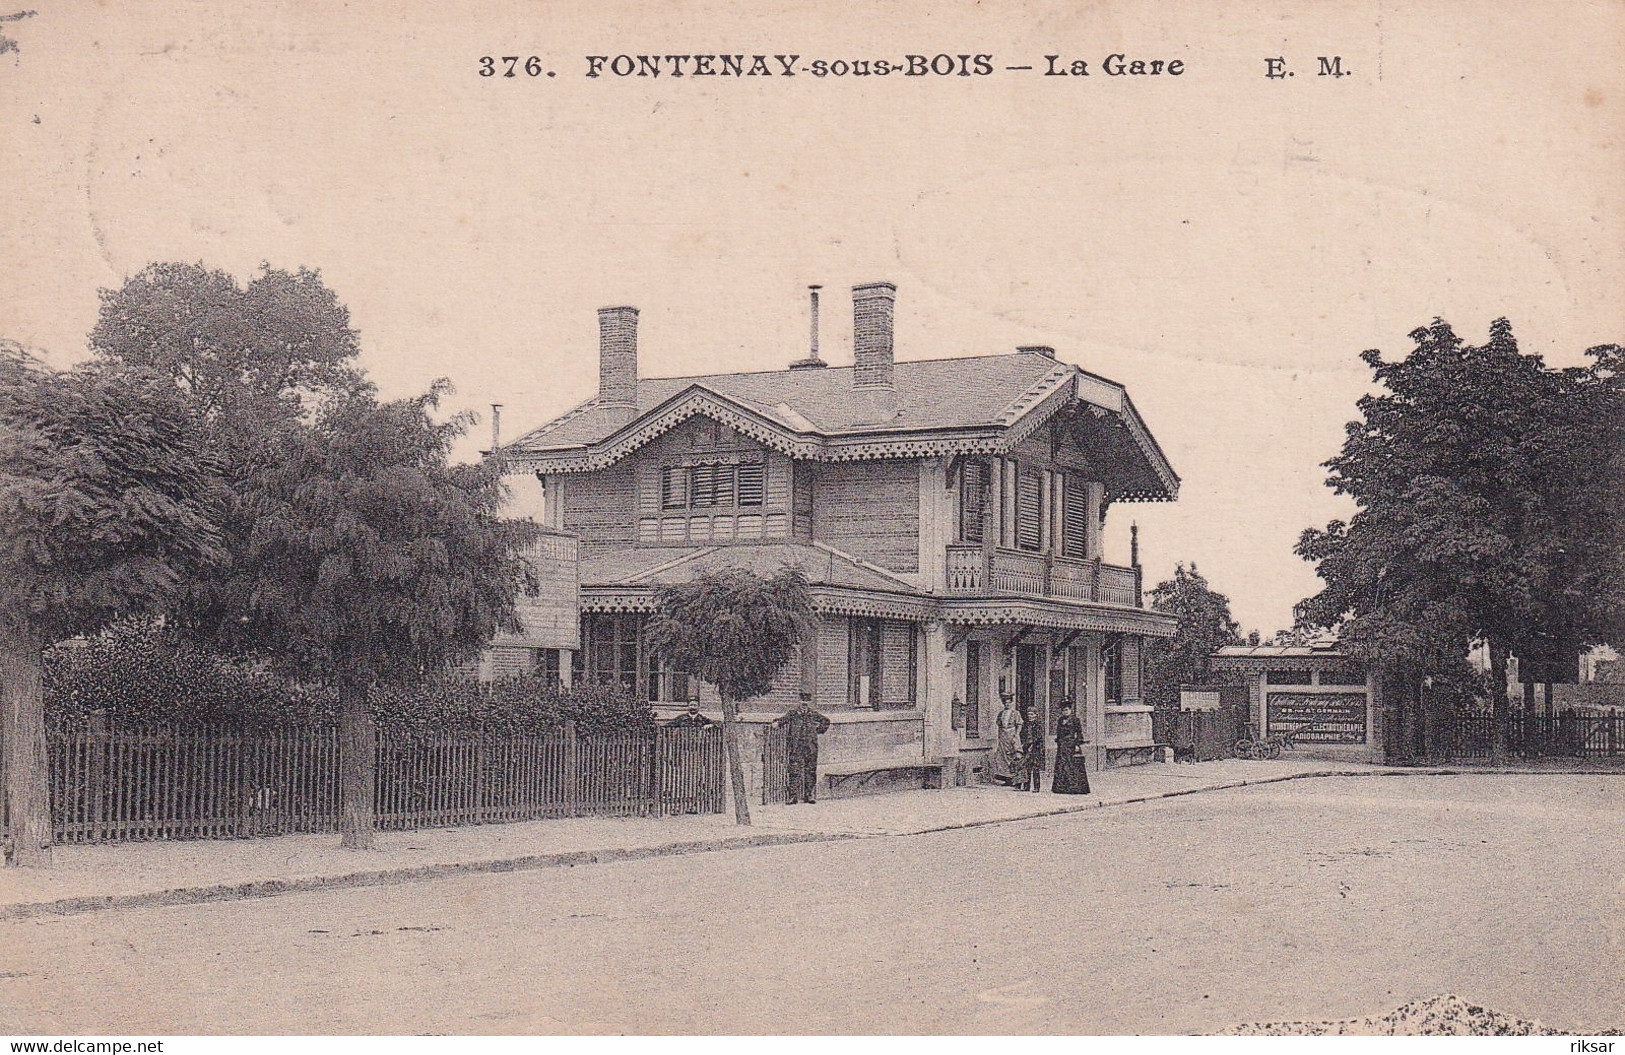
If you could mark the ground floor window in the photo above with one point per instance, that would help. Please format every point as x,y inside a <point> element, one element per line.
<point>547,665</point>
<point>882,664</point>
<point>973,690</point>
<point>1077,670</point>
<point>611,640</point>
<point>666,685</point>
<point>863,663</point>
<point>1111,663</point>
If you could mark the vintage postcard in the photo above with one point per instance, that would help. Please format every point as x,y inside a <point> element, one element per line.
<point>1059,518</point>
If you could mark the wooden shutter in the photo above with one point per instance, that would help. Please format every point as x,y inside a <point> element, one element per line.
<point>725,484</point>
<point>674,488</point>
<point>1075,517</point>
<point>1029,508</point>
<point>972,501</point>
<point>751,483</point>
<point>703,493</point>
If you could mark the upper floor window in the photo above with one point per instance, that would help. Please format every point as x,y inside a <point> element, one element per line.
<point>711,485</point>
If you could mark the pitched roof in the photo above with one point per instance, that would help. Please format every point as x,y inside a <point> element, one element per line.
<point>929,394</point>
<point>1322,647</point>
<point>983,404</point>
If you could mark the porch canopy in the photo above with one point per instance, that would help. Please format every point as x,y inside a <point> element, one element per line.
<point>627,580</point>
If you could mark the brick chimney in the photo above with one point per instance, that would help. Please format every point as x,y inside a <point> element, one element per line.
<point>618,358</point>
<point>872,306</point>
<point>1037,349</point>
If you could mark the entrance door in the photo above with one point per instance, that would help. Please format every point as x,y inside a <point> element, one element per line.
<point>1029,696</point>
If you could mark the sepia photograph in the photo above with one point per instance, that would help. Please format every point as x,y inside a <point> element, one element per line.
<point>1045,519</point>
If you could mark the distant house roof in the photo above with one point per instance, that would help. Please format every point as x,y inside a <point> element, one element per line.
<point>984,404</point>
<point>1253,657</point>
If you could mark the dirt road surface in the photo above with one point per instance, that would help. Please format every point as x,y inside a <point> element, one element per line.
<point>1317,899</point>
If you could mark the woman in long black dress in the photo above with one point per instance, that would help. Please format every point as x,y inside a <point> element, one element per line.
<point>1070,776</point>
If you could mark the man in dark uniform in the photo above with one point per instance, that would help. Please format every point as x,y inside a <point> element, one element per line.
<point>803,726</point>
<point>691,719</point>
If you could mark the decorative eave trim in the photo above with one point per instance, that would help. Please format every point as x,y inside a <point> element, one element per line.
<point>645,429</point>
<point>881,604</point>
<point>1063,393</point>
<point>1057,615</point>
<point>913,444</point>
<point>1153,455</point>
<point>617,599</point>
<point>872,604</point>
<point>826,600</point>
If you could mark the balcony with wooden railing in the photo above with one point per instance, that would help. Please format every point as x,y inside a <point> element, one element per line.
<point>974,571</point>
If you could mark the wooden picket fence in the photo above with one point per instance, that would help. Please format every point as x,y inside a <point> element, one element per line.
<point>775,765</point>
<point>1568,734</point>
<point>219,782</point>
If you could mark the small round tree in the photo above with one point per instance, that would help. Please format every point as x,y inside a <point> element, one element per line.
<point>372,561</point>
<point>736,630</point>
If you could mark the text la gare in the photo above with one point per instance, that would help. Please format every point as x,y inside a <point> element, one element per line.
<point>1115,65</point>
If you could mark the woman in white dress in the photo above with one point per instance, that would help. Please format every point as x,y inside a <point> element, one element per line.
<point>1006,761</point>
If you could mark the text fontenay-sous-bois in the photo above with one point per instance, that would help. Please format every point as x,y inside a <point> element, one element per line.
<point>981,64</point>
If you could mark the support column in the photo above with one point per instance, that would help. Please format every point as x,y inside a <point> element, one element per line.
<point>1094,711</point>
<point>809,660</point>
<point>941,741</point>
<point>1097,499</point>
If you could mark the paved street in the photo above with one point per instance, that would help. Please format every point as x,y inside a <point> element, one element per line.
<point>1312,899</point>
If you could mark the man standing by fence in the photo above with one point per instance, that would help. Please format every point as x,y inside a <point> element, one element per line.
<point>691,719</point>
<point>802,727</point>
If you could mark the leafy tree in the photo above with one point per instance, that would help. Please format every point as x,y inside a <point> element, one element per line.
<point>371,562</point>
<point>1484,482</point>
<point>359,557</point>
<point>247,357</point>
<point>108,502</point>
<point>735,630</point>
<point>1205,626</point>
<point>250,361</point>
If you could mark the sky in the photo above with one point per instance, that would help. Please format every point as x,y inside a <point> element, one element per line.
<point>1222,243</point>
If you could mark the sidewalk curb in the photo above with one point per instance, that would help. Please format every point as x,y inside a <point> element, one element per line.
<point>396,876</point>
<point>569,859</point>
